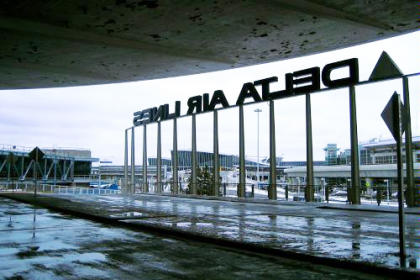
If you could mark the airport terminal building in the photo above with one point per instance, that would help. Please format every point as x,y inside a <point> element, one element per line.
<point>63,166</point>
<point>377,165</point>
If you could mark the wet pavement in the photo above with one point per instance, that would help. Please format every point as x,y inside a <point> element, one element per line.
<point>39,244</point>
<point>355,236</point>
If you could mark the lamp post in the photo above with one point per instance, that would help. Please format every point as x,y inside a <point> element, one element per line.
<point>258,111</point>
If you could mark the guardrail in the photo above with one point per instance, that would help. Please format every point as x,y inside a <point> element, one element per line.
<point>289,192</point>
<point>47,188</point>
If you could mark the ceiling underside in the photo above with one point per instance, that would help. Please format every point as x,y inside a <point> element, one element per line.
<point>53,43</point>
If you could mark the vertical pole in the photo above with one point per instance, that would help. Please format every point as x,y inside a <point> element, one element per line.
<point>355,174</point>
<point>258,111</point>
<point>411,201</point>
<point>309,190</point>
<point>324,190</point>
<point>99,175</point>
<point>175,160</point>
<point>63,174</point>
<point>193,155</point>
<point>133,163</point>
<point>145,184</point>
<point>272,189</point>
<point>44,176</point>
<point>397,126</point>
<point>216,164</point>
<point>35,173</point>
<point>22,169</point>
<point>241,186</point>
<point>125,187</point>
<point>55,171</point>
<point>72,163</point>
<point>159,159</point>
<point>9,166</point>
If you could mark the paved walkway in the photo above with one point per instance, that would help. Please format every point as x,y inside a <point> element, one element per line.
<point>42,244</point>
<point>367,238</point>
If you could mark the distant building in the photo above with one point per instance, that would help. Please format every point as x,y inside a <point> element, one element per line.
<point>374,151</point>
<point>377,165</point>
<point>378,151</point>
<point>203,159</point>
<point>57,166</point>
<point>331,154</point>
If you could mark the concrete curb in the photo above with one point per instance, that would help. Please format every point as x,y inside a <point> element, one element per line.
<point>370,268</point>
<point>367,208</point>
<point>408,211</point>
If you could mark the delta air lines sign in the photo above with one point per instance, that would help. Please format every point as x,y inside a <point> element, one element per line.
<point>296,83</point>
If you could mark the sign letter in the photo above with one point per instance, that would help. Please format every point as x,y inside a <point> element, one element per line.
<point>265,85</point>
<point>194,102</point>
<point>352,79</point>
<point>218,98</point>
<point>248,90</point>
<point>310,77</point>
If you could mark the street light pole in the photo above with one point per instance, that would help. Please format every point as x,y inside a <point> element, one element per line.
<point>258,111</point>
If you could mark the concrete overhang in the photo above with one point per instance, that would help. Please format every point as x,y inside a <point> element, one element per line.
<point>344,171</point>
<point>67,43</point>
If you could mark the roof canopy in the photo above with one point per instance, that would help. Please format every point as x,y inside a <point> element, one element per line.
<point>64,43</point>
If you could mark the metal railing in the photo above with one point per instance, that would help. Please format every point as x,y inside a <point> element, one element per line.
<point>380,195</point>
<point>55,189</point>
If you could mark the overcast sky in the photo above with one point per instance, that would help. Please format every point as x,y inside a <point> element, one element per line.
<point>95,117</point>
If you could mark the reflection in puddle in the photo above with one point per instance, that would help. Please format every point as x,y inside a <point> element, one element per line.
<point>183,224</point>
<point>127,215</point>
<point>329,235</point>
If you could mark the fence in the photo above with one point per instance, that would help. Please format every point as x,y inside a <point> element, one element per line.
<point>380,195</point>
<point>56,189</point>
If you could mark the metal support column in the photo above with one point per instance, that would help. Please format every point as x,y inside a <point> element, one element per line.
<point>22,168</point>
<point>55,171</point>
<point>411,197</point>
<point>9,169</point>
<point>272,189</point>
<point>63,174</point>
<point>145,183</point>
<point>133,164</point>
<point>175,160</point>
<point>44,175</point>
<point>159,160</point>
<point>309,190</point>
<point>72,170</point>
<point>193,155</point>
<point>354,142</point>
<point>216,164</point>
<point>4,164</point>
<point>397,126</point>
<point>125,187</point>
<point>35,173</point>
<point>258,111</point>
<point>242,175</point>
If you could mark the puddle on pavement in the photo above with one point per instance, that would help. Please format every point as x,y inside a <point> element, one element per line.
<point>43,245</point>
<point>128,215</point>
